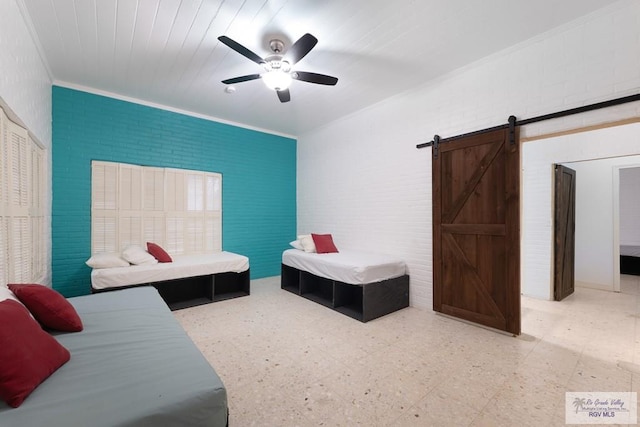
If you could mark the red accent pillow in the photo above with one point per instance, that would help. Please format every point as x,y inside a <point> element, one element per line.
<point>28,355</point>
<point>48,307</point>
<point>324,243</point>
<point>158,253</point>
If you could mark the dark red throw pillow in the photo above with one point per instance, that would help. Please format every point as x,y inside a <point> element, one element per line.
<point>324,243</point>
<point>48,307</point>
<point>158,253</point>
<point>28,355</point>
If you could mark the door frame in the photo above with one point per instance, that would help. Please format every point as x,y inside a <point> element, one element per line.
<point>616,227</point>
<point>538,156</point>
<point>616,222</point>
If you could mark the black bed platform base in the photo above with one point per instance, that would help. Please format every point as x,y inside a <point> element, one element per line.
<point>630,265</point>
<point>361,302</point>
<point>192,291</point>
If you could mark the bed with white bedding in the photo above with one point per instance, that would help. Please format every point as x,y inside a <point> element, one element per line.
<point>186,281</point>
<point>356,268</point>
<point>361,285</point>
<point>630,259</point>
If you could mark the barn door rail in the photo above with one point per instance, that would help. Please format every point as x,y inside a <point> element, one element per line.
<point>513,122</point>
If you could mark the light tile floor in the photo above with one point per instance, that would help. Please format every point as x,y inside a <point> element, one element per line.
<point>287,361</point>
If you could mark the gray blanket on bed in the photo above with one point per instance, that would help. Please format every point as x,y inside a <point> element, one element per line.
<point>133,365</point>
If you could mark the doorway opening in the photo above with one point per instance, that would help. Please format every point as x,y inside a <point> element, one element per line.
<point>599,252</point>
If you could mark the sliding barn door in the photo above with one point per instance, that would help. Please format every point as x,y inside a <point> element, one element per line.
<point>476,233</point>
<point>564,230</point>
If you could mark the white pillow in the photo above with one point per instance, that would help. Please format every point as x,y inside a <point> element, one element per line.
<point>138,256</point>
<point>307,243</point>
<point>5,293</point>
<point>297,245</point>
<point>106,260</point>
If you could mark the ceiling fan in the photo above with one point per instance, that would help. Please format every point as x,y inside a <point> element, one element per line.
<point>278,66</point>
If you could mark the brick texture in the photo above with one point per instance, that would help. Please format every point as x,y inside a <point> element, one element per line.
<point>362,179</point>
<point>258,176</point>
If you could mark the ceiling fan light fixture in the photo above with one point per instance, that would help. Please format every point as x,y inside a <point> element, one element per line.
<point>277,79</point>
<point>278,67</point>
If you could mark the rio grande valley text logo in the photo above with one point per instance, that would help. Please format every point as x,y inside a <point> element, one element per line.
<point>601,408</point>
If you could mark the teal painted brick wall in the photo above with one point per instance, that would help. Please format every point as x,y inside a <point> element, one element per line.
<point>258,177</point>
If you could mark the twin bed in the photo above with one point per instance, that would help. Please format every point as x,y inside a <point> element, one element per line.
<point>187,281</point>
<point>132,365</point>
<point>361,285</point>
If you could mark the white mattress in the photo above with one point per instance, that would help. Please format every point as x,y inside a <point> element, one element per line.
<point>182,266</point>
<point>630,250</point>
<point>356,268</point>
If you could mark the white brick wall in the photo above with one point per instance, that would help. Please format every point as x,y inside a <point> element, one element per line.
<point>362,179</point>
<point>25,86</point>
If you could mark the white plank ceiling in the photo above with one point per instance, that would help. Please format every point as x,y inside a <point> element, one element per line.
<point>166,51</point>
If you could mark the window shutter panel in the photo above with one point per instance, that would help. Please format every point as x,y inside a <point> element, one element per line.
<point>153,210</point>
<point>214,192</point>
<point>104,197</point>
<point>213,216</point>
<point>104,185</point>
<point>153,189</point>
<point>176,196</point>
<point>20,249</point>
<point>4,165</point>
<point>175,190</point>
<point>37,256</point>
<point>154,229</point>
<point>19,169</point>
<point>103,234</point>
<point>195,192</point>
<point>37,183</point>
<point>212,235</point>
<point>175,235</point>
<point>178,209</point>
<point>22,244</point>
<point>194,238</point>
<point>130,188</point>
<point>4,250</point>
<point>130,229</point>
<point>37,211</point>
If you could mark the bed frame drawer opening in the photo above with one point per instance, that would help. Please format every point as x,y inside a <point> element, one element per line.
<point>290,279</point>
<point>316,288</point>
<point>187,292</point>
<point>348,300</point>
<point>231,285</point>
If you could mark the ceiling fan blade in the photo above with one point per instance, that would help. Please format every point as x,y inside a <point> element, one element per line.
<point>241,79</point>
<point>321,79</point>
<point>241,49</point>
<point>300,48</point>
<point>284,95</point>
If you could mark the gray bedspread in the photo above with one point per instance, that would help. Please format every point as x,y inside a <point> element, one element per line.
<point>132,365</point>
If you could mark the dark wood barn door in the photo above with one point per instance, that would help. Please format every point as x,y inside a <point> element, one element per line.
<point>564,229</point>
<point>476,230</point>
